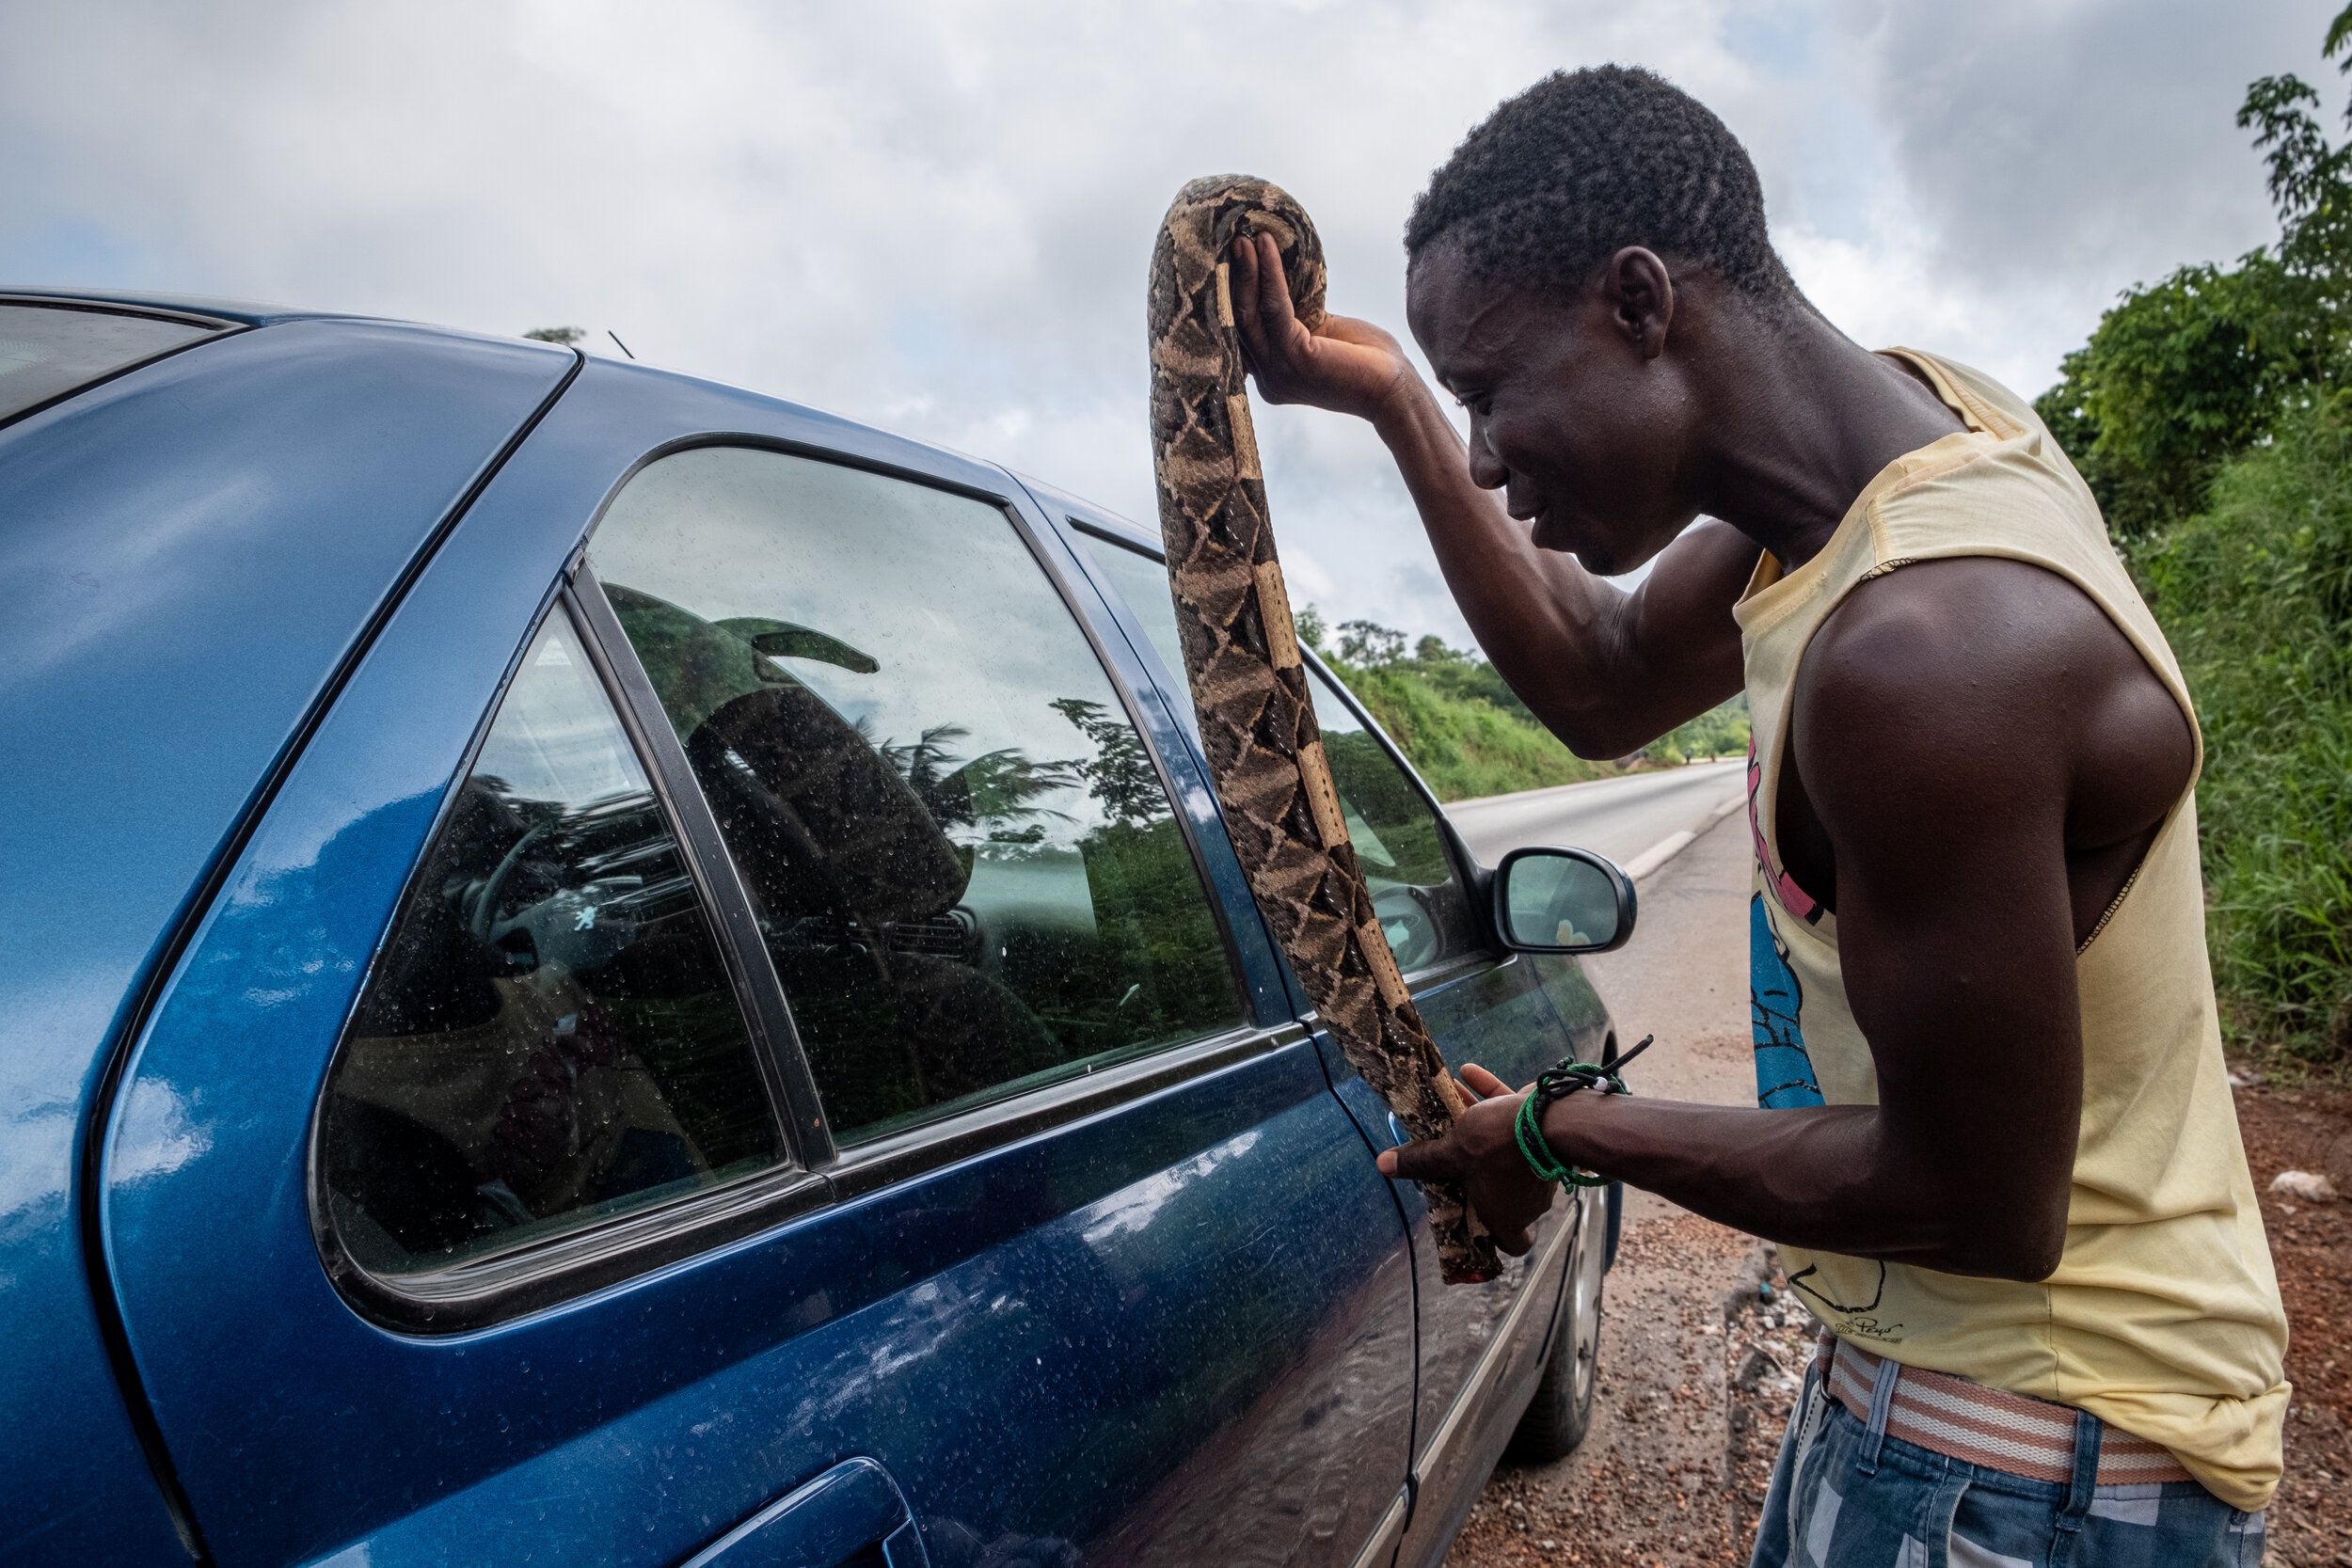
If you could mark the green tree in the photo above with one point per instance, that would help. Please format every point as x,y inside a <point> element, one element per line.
<point>2180,377</point>
<point>1369,646</point>
<point>2184,374</point>
<point>566,336</point>
<point>2213,413</point>
<point>1433,649</point>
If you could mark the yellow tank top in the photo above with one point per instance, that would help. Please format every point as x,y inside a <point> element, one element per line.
<point>2163,1316</point>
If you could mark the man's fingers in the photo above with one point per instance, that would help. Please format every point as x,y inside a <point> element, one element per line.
<point>1484,1084</point>
<point>1244,281</point>
<point>1433,1161</point>
<point>1274,290</point>
<point>1514,1245</point>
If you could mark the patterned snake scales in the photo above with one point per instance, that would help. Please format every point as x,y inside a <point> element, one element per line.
<point>1248,684</point>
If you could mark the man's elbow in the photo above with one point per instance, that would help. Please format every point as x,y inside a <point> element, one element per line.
<point>2026,1243</point>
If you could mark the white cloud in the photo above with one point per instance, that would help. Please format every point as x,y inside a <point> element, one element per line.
<point>937,217</point>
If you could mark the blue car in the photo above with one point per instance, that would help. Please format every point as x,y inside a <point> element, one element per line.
<point>597,968</point>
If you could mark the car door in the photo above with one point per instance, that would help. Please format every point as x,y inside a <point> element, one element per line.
<point>1514,1015</point>
<point>731,1042</point>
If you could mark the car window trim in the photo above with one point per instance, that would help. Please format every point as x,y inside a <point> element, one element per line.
<point>887,1161</point>
<point>1490,951</point>
<point>776,1041</point>
<point>739,932</point>
<point>1457,854</point>
<point>542,1272</point>
<point>1464,868</point>
<point>1131,702</point>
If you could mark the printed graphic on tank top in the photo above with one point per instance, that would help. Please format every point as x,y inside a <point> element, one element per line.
<point>1783,1073</point>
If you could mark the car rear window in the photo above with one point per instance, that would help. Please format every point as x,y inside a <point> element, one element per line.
<point>47,351</point>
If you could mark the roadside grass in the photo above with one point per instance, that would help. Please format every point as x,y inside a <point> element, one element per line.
<point>2255,595</point>
<point>1464,745</point>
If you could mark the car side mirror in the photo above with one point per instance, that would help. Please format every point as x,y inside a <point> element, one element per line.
<point>1562,901</point>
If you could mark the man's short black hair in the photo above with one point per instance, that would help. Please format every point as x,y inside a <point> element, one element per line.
<point>1585,162</point>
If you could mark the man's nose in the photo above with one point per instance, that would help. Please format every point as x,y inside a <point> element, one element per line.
<point>1485,470</point>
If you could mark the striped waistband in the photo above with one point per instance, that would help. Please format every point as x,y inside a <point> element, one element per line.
<point>2013,1432</point>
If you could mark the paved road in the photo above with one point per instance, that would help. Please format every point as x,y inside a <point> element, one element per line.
<point>1617,818</point>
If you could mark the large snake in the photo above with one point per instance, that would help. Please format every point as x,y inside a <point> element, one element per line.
<point>1249,684</point>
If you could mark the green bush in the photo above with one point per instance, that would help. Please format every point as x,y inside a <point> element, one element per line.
<point>2255,595</point>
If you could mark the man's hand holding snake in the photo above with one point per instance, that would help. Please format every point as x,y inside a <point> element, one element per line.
<point>1346,364</point>
<point>1480,1152</point>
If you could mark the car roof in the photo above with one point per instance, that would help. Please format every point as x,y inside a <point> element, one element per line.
<point>245,313</point>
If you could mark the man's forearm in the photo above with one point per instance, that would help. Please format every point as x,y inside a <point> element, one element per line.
<point>1821,1178</point>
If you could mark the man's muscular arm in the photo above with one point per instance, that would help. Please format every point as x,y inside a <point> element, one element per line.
<point>1605,669</point>
<point>1953,718</point>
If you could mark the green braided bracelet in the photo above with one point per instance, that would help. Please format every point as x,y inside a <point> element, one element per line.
<point>1556,1083</point>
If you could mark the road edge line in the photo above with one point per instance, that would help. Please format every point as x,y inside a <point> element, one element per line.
<point>1650,860</point>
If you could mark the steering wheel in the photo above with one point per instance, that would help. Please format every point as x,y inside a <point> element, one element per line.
<point>482,912</point>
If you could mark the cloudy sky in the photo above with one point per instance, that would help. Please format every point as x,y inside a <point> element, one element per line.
<point>936,216</point>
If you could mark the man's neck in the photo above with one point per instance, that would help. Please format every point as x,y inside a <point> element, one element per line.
<point>1800,418</point>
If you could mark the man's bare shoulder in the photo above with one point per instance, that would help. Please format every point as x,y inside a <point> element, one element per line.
<point>1975,683</point>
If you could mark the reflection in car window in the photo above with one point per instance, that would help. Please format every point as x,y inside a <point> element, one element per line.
<point>960,853</point>
<point>1142,581</point>
<point>46,351</point>
<point>1421,906</point>
<point>548,1038</point>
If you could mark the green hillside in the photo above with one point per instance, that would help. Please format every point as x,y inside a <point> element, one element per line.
<point>1469,732</point>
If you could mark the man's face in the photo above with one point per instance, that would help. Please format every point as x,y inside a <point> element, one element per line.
<point>1584,431</point>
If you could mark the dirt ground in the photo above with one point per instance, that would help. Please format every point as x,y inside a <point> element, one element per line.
<point>2309,1129</point>
<point>1700,1362</point>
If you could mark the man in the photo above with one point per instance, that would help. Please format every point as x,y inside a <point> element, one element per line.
<point>1996,1144</point>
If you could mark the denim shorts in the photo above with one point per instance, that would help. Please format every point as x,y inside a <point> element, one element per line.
<point>1844,1495</point>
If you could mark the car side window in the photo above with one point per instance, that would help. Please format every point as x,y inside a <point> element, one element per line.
<point>548,1038</point>
<point>1142,581</point>
<point>958,848</point>
<point>1422,904</point>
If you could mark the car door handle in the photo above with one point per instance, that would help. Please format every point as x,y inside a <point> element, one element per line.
<point>851,1509</point>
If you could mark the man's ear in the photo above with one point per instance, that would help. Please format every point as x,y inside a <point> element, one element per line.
<point>1640,295</point>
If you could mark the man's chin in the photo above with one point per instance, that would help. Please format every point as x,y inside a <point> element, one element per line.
<point>1596,556</point>
<point>1548,532</point>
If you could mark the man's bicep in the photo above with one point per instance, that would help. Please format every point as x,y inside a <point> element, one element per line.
<point>1679,638</point>
<point>1953,921</point>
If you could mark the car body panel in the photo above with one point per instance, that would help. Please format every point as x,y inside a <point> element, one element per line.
<point>1514,1016</point>
<point>256,527</point>
<point>929,1324</point>
<point>1190,1324</point>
